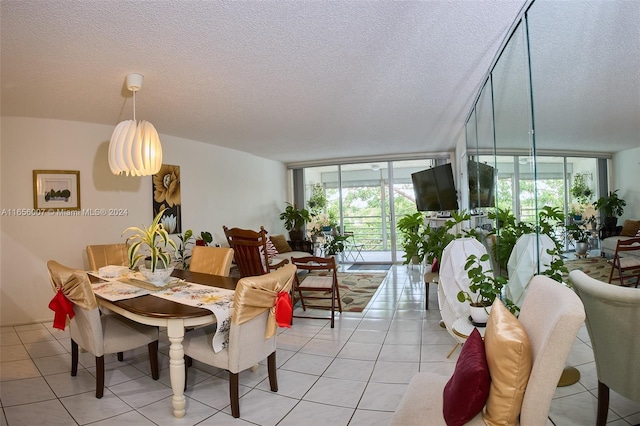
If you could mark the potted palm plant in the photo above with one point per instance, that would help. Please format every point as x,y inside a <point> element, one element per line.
<point>156,240</point>
<point>294,221</point>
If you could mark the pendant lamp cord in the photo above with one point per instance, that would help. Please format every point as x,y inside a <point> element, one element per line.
<point>134,105</point>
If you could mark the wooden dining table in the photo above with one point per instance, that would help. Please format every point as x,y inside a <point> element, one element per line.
<point>176,317</point>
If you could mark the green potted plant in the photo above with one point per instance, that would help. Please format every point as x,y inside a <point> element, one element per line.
<point>580,191</point>
<point>435,239</point>
<point>294,221</point>
<point>334,245</point>
<point>484,286</point>
<point>509,230</point>
<point>612,207</point>
<point>183,253</point>
<point>580,237</point>
<point>156,239</point>
<point>318,200</point>
<point>409,227</point>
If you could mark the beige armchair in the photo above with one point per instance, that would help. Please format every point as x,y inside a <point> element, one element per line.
<point>551,315</point>
<point>252,333</point>
<point>107,254</point>
<point>211,260</point>
<point>613,315</point>
<point>95,333</point>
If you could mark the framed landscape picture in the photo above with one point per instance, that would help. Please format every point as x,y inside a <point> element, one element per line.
<point>56,189</point>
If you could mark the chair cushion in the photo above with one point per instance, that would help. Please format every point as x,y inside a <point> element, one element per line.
<point>630,228</point>
<point>315,281</point>
<point>509,357</point>
<point>281,244</point>
<point>466,392</point>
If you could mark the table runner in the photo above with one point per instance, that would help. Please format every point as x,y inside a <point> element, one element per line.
<point>217,300</point>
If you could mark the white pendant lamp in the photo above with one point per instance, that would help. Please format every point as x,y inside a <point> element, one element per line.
<point>135,147</point>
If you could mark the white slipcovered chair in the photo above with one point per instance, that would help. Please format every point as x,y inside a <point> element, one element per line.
<point>252,332</point>
<point>613,315</point>
<point>528,258</point>
<point>95,333</point>
<point>551,315</point>
<point>453,278</point>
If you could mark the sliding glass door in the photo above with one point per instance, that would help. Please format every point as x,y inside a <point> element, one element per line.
<point>364,201</point>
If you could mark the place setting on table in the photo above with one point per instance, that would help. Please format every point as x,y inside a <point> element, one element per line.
<point>115,283</point>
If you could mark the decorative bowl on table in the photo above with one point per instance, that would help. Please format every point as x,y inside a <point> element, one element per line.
<point>159,277</point>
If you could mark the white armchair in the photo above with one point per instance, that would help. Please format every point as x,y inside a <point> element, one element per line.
<point>252,335</point>
<point>551,316</point>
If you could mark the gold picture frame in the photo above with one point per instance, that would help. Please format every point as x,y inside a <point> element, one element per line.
<point>56,189</point>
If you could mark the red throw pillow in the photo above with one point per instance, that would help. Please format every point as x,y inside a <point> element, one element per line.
<point>468,389</point>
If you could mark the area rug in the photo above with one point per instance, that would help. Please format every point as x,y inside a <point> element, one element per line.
<point>599,268</point>
<point>369,267</point>
<point>356,290</point>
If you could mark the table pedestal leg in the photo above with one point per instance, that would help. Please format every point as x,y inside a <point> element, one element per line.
<point>175,331</point>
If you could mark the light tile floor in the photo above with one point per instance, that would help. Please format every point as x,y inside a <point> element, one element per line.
<point>354,374</point>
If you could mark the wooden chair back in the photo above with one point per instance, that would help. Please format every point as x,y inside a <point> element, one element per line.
<point>250,250</point>
<point>315,288</point>
<point>624,262</point>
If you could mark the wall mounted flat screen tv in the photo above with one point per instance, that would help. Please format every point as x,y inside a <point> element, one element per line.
<point>435,189</point>
<point>481,185</point>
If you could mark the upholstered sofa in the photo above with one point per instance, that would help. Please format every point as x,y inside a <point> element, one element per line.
<point>624,232</point>
<point>285,251</point>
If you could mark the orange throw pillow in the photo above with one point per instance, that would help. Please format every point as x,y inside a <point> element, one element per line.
<point>509,358</point>
<point>281,243</point>
<point>630,228</point>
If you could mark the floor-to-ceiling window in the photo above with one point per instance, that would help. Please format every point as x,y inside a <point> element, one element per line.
<point>365,200</point>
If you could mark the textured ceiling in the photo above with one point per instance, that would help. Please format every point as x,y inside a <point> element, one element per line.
<point>290,81</point>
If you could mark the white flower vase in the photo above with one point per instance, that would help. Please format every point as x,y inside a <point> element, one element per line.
<point>479,314</point>
<point>157,278</point>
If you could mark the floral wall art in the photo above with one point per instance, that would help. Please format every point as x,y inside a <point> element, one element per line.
<point>166,194</point>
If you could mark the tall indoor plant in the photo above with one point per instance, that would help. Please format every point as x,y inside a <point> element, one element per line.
<point>410,227</point>
<point>294,221</point>
<point>612,207</point>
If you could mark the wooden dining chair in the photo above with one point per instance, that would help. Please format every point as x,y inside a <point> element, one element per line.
<point>95,333</point>
<point>321,285</point>
<point>623,261</point>
<point>252,332</point>
<point>250,251</point>
<point>107,254</point>
<point>211,260</point>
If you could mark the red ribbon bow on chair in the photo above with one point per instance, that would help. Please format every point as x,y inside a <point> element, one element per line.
<point>62,307</point>
<point>284,309</point>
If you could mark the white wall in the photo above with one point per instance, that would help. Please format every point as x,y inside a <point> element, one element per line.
<point>625,170</point>
<point>219,186</point>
